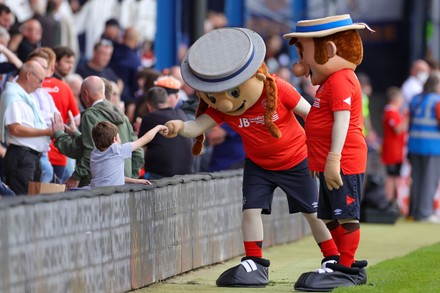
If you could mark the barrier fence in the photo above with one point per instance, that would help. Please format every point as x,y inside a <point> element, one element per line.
<point>116,239</point>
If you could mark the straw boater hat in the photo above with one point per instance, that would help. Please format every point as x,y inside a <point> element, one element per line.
<point>322,27</point>
<point>223,59</point>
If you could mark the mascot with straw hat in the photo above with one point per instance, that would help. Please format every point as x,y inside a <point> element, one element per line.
<point>329,50</point>
<point>226,67</point>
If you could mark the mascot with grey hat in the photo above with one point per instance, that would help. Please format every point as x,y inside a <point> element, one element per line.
<point>226,67</point>
<point>329,50</point>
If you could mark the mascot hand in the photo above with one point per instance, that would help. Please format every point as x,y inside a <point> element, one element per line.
<point>174,126</point>
<point>314,174</point>
<point>332,170</point>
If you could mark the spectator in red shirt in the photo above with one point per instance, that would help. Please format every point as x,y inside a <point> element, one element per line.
<point>395,126</point>
<point>64,101</point>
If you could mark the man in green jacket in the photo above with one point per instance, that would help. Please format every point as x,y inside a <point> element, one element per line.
<point>79,145</point>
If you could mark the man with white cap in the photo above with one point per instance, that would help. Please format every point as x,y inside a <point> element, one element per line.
<point>226,67</point>
<point>329,50</point>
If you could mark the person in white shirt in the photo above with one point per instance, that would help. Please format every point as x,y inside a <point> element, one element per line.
<point>23,128</point>
<point>413,85</point>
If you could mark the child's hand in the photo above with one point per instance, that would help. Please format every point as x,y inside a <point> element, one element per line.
<point>163,130</point>
<point>141,181</point>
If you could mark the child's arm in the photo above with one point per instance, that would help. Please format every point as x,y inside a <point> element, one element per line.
<point>138,181</point>
<point>147,137</point>
<point>190,128</point>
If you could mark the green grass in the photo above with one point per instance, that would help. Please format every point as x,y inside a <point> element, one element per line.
<point>415,272</point>
<point>386,246</point>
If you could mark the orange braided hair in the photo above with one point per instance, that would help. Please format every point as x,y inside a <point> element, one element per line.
<point>198,144</point>
<point>271,89</point>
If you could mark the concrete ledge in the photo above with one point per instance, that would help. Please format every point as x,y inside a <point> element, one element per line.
<point>115,239</point>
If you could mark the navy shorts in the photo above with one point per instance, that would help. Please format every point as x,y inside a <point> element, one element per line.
<point>393,170</point>
<point>342,203</point>
<point>259,185</point>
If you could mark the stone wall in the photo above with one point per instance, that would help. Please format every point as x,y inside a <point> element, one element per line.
<point>120,238</point>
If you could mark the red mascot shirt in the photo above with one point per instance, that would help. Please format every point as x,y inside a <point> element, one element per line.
<point>260,146</point>
<point>341,91</point>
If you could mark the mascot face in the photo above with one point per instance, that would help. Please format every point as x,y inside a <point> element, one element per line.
<point>237,100</point>
<point>326,45</point>
<point>307,65</point>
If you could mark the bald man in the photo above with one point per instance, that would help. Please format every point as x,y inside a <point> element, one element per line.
<point>79,145</point>
<point>23,128</point>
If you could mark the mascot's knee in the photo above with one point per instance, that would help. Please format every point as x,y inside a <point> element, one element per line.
<point>251,214</point>
<point>311,217</point>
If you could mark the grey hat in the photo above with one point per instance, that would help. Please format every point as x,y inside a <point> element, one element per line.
<point>223,59</point>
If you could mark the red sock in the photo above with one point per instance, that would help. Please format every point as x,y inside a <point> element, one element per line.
<point>350,237</point>
<point>335,230</point>
<point>253,248</point>
<point>328,248</point>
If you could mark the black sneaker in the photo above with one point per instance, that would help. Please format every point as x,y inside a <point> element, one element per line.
<point>335,259</point>
<point>251,272</point>
<point>359,264</point>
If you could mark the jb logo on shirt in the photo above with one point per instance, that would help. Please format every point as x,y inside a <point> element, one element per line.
<point>244,122</point>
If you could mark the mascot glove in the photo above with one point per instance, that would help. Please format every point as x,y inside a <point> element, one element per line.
<point>174,126</point>
<point>332,171</point>
<point>314,174</point>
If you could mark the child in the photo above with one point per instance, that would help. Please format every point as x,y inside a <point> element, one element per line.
<point>394,131</point>
<point>107,160</point>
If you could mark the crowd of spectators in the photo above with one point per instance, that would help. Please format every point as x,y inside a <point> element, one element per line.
<point>62,73</point>
<point>411,135</point>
